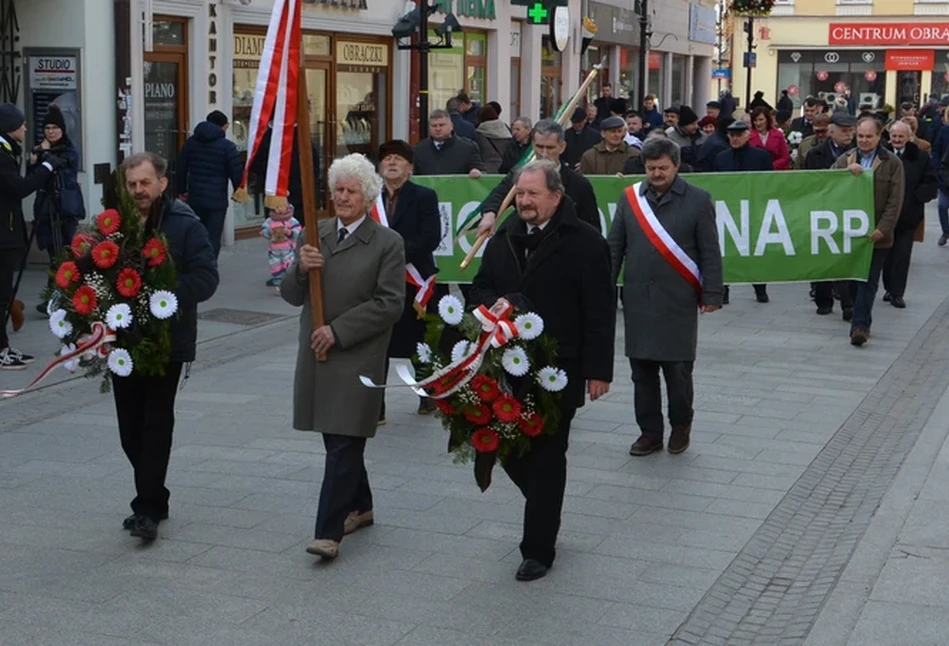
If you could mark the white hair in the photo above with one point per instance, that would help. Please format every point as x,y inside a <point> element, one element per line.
<point>902,124</point>
<point>356,166</point>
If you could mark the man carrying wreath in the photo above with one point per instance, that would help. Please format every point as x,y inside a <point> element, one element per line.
<point>665,230</point>
<point>145,405</point>
<point>561,265</point>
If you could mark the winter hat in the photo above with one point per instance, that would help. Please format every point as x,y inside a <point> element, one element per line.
<point>781,116</point>
<point>708,120</point>
<point>687,116</point>
<point>277,216</point>
<point>54,118</point>
<point>218,118</point>
<point>579,116</point>
<point>11,118</point>
<point>397,147</point>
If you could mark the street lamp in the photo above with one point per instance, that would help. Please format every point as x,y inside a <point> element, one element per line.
<point>414,21</point>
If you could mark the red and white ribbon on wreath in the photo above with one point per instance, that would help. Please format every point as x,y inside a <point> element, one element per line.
<point>497,330</point>
<point>664,243</point>
<point>426,286</point>
<point>88,346</point>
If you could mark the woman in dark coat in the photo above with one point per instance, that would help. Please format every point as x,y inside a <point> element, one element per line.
<point>58,206</point>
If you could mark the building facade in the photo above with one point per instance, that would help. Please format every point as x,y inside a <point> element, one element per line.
<point>883,52</point>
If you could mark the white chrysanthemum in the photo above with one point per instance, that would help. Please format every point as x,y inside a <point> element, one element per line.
<point>529,326</point>
<point>119,316</point>
<point>515,362</point>
<point>459,351</point>
<point>73,364</point>
<point>59,325</point>
<point>163,304</point>
<point>450,309</point>
<point>424,353</point>
<point>120,362</point>
<point>552,379</point>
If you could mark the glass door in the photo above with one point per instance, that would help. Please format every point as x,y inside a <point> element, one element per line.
<point>908,86</point>
<point>321,130</point>
<point>166,108</point>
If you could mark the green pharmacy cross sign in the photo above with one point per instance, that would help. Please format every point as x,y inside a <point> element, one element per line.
<point>538,13</point>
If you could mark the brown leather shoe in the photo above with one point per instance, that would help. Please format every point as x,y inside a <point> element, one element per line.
<point>357,520</point>
<point>16,314</point>
<point>324,547</point>
<point>679,439</point>
<point>646,445</point>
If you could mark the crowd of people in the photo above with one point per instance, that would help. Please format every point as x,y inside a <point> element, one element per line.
<point>377,252</point>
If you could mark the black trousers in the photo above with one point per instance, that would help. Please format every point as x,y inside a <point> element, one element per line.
<point>824,293</point>
<point>9,266</point>
<point>896,267</point>
<point>345,485</point>
<point>145,407</point>
<point>647,399</point>
<point>541,475</point>
<point>213,221</point>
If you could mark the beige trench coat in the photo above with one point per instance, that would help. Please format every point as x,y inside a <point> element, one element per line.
<point>363,297</point>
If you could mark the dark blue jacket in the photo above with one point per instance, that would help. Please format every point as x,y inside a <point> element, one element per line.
<point>463,127</point>
<point>71,207</point>
<point>196,270</point>
<point>940,148</point>
<point>745,158</point>
<point>207,162</point>
<point>653,119</point>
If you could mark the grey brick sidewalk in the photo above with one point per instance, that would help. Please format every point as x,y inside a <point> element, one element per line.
<point>643,540</point>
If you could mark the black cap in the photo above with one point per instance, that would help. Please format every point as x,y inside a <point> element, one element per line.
<point>397,147</point>
<point>610,123</point>
<point>687,116</point>
<point>673,109</point>
<point>843,119</point>
<point>713,104</point>
<point>782,115</point>
<point>217,117</point>
<point>737,126</point>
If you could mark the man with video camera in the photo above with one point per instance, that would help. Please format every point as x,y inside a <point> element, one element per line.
<point>14,242</point>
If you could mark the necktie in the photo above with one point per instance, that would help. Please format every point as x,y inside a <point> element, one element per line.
<point>342,235</point>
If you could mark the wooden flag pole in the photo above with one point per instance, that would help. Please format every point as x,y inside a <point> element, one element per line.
<point>308,184</point>
<point>509,198</point>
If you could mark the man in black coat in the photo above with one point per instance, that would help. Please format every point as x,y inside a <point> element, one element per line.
<point>716,143</point>
<point>261,161</point>
<point>549,143</point>
<point>444,152</point>
<point>145,405</point>
<point>921,186</point>
<point>206,163</point>
<point>804,123</point>
<point>562,267</point>
<point>412,211</point>
<point>742,157</point>
<point>579,138</point>
<point>520,142</point>
<point>13,238</point>
<point>823,156</point>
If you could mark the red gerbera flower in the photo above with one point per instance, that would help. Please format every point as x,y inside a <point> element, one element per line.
<point>108,222</point>
<point>67,273</point>
<point>478,414</point>
<point>444,407</point>
<point>84,300</point>
<point>485,440</point>
<point>81,243</point>
<point>129,283</point>
<point>485,388</point>
<point>105,254</point>
<point>532,426</point>
<point>154,252</point>
<point>506,408</point>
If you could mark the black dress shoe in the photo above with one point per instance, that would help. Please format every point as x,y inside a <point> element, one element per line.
<point>761,293</point>
<point>129,522</point>
<point>887,297</point>
<point>145,528</point>
<point>897,302</point>
<point>847,314</point>
<point>726,293</point>
<point>824,310</point>
<point>531,570</point>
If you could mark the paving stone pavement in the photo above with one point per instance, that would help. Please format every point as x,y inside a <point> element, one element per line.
<point>644,541</point>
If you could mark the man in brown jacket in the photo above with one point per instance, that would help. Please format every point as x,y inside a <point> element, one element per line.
<point>609,156</point>
<point>888,187</point>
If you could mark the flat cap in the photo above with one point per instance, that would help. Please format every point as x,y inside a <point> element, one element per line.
<point>713,104</point>
<point>397,147</point>
<point>737,126</point>
<point>843,119</point>
<point>672,108</point>
<point>611,123</point>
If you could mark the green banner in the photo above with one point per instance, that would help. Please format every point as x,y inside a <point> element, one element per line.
<point>774,227</point>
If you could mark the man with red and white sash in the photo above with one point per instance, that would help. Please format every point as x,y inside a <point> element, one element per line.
<point>664,228</point>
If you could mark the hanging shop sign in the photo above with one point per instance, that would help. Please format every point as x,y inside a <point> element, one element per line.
<point>53,80</point>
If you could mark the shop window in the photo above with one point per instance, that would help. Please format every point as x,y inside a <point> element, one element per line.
<point>168,33</point>
<point>826,74</point>
<point>551,84</point>
<point>361,97</point>
<point>678,80</point>
<point>463,67</point>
